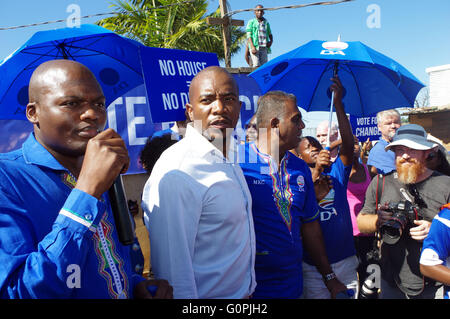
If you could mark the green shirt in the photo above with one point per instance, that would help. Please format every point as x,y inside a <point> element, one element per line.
<point>253,29</point>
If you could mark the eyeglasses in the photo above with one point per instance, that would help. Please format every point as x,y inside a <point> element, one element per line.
<point>417,198</point>
<point>253,126</point>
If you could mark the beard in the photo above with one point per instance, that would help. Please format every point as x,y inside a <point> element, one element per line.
<point>409,170</point>
<point>391,135</point>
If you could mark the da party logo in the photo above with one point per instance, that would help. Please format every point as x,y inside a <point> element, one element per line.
<point>333,47</point>
<point>301,183</point>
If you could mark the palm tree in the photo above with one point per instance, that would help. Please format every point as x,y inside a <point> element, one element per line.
<point>176,25</point>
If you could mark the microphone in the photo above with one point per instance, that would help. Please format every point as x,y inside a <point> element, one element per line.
<point>122,217</point>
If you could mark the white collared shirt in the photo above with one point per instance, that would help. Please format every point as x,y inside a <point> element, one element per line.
<point>197,208</point>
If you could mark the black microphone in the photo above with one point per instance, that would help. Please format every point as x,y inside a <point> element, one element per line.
<point>122,217</point>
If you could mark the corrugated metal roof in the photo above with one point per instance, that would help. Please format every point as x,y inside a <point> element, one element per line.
<point>431,109</point>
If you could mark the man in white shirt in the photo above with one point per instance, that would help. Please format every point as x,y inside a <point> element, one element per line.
<point>197,204</point>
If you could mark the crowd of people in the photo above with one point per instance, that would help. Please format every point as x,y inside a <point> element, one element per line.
<point>276,216</point>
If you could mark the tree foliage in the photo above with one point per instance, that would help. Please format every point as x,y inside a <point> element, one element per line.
<point>175,24</point>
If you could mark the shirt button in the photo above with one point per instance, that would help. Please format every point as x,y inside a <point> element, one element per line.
<point>138,268</point>
<point>88,216</point>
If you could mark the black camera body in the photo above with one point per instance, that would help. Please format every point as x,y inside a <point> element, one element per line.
<point>403,215</point>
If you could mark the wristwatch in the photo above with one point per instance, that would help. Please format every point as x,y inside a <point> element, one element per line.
<point>329,277</point>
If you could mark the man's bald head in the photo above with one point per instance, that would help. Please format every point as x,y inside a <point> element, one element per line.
<point>209,72</point>
<point>322,132</point>
<point>214,103</point>
<point>67,107</point>
<point>52,73</point>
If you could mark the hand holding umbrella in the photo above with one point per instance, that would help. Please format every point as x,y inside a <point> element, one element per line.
<point>333,89</point>
<point>345,130</point>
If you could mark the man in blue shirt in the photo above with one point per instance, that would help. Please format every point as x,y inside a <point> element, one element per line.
<point>284,207</point>
<point>57,234</point>
<point>381,161</point>
<point>435,256</point>
<point>335,219</point>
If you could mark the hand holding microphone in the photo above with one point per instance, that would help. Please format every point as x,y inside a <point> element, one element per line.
<point>105,159</point>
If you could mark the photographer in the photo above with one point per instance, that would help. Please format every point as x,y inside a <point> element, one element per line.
<point>407,201</point>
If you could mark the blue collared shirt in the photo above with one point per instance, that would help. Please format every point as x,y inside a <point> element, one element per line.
<point>283,200</point>
<point>56,241</point>
<point>383,160</point>
<point>436,247</point>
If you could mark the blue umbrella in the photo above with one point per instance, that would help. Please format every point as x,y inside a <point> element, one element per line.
<point>373,82</point>
<point>113,59</point>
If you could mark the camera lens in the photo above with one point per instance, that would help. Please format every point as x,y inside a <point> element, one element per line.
<point>391,235</point>
<point>368,290</point>
<point>391,230</point>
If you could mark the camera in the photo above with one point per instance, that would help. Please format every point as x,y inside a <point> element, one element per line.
<point>403,215</point>
<point>369,288</point>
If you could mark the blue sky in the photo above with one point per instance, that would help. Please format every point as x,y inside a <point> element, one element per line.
<point>416,33</point>
<point>413,32</point>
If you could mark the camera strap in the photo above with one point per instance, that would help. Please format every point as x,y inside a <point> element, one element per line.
<point>379,191</point>
<point>406,195</point>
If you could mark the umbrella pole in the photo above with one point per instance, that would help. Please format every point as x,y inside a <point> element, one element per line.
<point>330,118</point>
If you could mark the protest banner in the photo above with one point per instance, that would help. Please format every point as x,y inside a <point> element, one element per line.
<point>365,127</point>
<point>131,116</point>
<point>167,76</point>
<point>163,96</point>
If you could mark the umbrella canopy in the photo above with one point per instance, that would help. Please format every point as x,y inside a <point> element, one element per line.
<point>113,59</point>
<point>372,81</point>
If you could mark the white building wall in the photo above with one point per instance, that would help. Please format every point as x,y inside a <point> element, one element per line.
<point>309,131</point>
<point>439,88</point>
